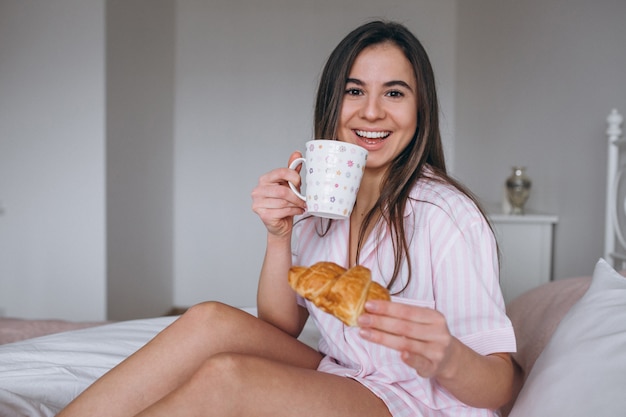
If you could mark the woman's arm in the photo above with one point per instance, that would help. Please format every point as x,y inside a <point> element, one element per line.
<point>276,300</point>
<point>276,205</point>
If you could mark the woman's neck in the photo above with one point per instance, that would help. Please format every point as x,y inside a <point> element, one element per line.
<point>369,192</point>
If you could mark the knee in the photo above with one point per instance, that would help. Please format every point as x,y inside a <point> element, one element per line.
<point>221,378</point>
<point>209,310</point>
<point>231,369</point>
<point>214,315</point>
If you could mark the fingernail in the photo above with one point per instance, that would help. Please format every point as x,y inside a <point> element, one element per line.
<point>365,333</point>
<point>370,306</point>
<point>364,320</point>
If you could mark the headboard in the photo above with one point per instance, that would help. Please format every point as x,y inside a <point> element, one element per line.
<point>615,218</point>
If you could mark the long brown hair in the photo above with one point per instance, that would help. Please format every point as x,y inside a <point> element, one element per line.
<point>424,149</point>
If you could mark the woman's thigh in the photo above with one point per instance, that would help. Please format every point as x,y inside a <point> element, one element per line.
<point>239,384</point>
<point>214,328</point>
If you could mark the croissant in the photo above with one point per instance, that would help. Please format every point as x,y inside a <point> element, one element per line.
<point>335,290</point>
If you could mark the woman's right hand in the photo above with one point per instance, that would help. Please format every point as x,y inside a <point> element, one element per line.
<point>275,203</point>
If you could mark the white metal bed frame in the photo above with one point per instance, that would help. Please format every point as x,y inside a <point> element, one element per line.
<point>614,241</point>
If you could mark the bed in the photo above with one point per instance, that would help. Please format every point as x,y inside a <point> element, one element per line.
<point>571,333</point>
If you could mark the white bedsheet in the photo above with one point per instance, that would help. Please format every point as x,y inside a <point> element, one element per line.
<point>38,377</point>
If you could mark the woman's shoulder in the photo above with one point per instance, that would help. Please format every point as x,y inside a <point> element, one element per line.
<point>438,197</point>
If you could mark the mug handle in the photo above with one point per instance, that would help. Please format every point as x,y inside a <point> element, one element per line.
<point>294,165</point>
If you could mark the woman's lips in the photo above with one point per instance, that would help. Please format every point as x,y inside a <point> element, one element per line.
<point>371,136</point>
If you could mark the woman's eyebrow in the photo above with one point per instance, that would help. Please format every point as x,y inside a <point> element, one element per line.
<point>399,83</point>
<point>392,83</point>
<point>354,81</point>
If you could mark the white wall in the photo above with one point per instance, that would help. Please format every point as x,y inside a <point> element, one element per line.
<point>139,154</point>
<point>246,74</point>
<point>535,82</point>
<point>52,159</point>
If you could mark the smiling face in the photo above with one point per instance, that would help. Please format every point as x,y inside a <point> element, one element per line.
<point>379,108</point>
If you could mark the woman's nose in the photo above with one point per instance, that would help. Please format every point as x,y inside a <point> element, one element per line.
<point>372,109</point>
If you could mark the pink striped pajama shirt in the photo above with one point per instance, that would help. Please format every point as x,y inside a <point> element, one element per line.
<point>455,271</point>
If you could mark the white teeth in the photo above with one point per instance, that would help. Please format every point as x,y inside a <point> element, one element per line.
<point>372,135</point>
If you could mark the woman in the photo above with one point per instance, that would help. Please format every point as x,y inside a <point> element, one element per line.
<point>439,348</point>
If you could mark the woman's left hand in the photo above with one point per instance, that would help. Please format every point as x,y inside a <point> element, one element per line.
<point>420,334</point>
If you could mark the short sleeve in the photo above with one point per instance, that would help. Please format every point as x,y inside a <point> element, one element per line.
<point>467,290</point>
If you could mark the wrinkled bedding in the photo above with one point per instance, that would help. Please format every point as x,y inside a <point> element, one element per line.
<point>40,376</point>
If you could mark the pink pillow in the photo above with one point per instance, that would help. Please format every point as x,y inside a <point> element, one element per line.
<point>536,314</point>
<point>13,329</point>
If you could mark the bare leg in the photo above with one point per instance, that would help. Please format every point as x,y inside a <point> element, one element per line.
<point>175,354</point>
<point>244,385</point>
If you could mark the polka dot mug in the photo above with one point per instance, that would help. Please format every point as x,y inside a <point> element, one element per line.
<point>332,172</point>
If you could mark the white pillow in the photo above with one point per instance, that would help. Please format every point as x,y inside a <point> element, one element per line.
<point>582,370</point>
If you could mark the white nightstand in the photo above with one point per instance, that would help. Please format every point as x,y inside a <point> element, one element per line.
<point>526,245</point>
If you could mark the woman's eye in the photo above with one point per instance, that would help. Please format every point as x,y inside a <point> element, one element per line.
<point>395,93</point>
<point>353,92</point>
